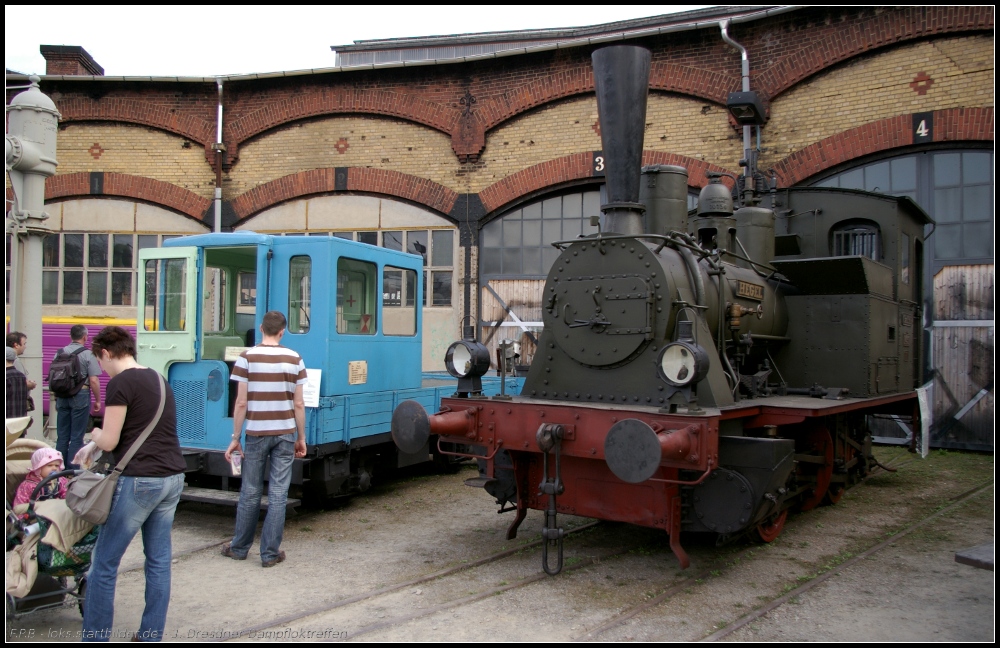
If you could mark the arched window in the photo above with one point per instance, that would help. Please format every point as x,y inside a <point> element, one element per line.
<point>857,238</point>
<point>954,186</point>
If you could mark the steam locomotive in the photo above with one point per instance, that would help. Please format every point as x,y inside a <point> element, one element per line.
<point>702,372</point>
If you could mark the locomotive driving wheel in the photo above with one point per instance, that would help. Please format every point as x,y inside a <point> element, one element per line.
<point>770,529</point>
<point>814,452</point>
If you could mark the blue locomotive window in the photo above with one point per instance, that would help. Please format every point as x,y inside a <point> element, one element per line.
<point>356,286</point>
<point>299,294</point>
<point>399,310</point>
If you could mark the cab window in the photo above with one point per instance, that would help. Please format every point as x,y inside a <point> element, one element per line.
<point>356,291</point>
<point>299,294</point>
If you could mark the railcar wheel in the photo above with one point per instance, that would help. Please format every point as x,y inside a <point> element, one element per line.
<point>770,530</point>
<point>835,492</point>
<point>817,443</point>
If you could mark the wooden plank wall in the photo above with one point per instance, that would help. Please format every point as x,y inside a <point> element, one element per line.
<point>524,296</point>
<point>962,356</point>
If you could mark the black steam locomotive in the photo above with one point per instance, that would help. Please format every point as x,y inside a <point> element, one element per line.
<point>697,372</point>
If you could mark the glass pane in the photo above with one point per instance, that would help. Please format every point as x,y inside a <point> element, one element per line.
<point>854,179</point>
<point>416,243</point>
<point>511,233</point>
<point>442,247</point>
<point>248,288</point>
<point>491,233</point>
<point>147,241</point>
<point>213,309</point>
<point>397,319</point>
<point>947,205</point>
<point>299,294</point>
<point>97,250</point>
<point>392,240</point>
<point>150,307</point>
<point>877,177</point>
<point>552,208</point>
<point>50,251</point>
<point>511,261</point>
<point>978,240</point>
<point>947,241</point>
<point>977,166</point>
<point>72,288</point>
<point>904,259</point>
<point>977,203</point>
<point>121,288</point>
<point>591,206</point>
<point>549,256</point>
<point>371,238</point>
<point>97,288</point>
<point>490,260</point>
<point>829,182</point>
<point>167,237</point>
<point>442,289</point>
<point>947,169</point>
<point>512,216</point>
<point>572,206</point>
<point>73,250</point>
<point>532,261</point>
<point>532,232</point>
<point>410,290</point>
<point>123,251</point>
<point>423,286</point>
<point>356,286</point>
<point>904,174</point>
<point>173,315</point>
<point>572,228</point>
<point>50,287</point>
<point>392,287</point>
<point>551,231</point>
<point>345,235</point>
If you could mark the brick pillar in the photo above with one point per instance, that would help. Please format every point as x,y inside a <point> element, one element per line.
<point>70,60</point>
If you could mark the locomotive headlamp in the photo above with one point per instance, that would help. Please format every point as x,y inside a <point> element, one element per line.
<point>682,363</point>
<point>468,360</point>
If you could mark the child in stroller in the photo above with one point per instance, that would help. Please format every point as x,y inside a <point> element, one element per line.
<point>51,546</point>
<point>44,462</point>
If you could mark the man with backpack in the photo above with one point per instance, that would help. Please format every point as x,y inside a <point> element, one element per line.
<point>72,380</point>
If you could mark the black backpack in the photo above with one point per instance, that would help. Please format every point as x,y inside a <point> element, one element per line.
<point>66,374</point>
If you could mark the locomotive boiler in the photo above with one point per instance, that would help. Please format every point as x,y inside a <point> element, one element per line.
<point>698,372</point>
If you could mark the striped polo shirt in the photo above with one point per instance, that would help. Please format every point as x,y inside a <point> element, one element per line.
<point>271,374</point>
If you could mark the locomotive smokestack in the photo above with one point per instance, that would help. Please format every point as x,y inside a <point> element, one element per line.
<point>621,77</point>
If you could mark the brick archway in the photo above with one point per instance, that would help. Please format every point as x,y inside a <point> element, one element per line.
<point>421,191</point>
<point>128,186</point>
<point>951,125</point>
<point>578,166</point>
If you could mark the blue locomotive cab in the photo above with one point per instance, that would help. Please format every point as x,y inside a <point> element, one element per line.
<point>353,315</point>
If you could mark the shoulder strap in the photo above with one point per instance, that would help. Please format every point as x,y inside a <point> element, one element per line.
<point>149,428</point>
<point>78,351</point>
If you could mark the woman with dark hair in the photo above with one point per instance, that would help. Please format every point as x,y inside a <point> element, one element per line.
<point>147,492</point>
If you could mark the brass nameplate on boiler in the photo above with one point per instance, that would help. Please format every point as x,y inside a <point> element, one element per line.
<point>749,290</point>
<point>357,372</point>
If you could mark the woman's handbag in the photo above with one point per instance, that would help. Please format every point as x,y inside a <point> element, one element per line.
<point>90,494</point>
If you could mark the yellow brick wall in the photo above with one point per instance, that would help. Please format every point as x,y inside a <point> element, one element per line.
<point>135,150</point>
<point>875,87</point>
<point>377,142</point>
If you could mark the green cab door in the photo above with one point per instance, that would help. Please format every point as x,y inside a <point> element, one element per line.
<point>166,324</point>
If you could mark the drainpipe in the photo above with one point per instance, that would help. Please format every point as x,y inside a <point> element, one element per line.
<point>220,148</point>
<point>724,26</point>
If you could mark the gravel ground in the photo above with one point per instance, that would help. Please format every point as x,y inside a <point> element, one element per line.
<point>419,524</point>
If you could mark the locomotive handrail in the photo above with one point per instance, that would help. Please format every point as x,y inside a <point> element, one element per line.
<point>708,471</point>
<point>467,454</point>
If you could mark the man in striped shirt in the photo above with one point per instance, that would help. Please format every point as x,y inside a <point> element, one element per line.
<point>269,381</point>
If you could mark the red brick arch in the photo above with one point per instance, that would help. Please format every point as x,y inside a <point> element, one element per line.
<point>578,166</point>
<point>335,101</point>
<point>424,192</point>
<point>951,125</point>
<point>906,24</point>
<point>135,111</point>
<point>164,194</point>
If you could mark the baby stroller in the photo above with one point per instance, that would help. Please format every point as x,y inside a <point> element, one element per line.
<point>61,576</point>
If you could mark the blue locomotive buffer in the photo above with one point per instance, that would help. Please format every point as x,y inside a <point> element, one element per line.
<point>354,315</point>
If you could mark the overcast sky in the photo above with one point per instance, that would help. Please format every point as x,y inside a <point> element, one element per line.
<point>206,41</point>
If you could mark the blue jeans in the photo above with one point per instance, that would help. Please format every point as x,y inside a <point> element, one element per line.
<point>146,503</point>
<point>72,416</point>
<point>256,451</point>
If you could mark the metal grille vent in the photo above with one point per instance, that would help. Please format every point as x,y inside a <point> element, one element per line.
<point>857,241</point>
<point>190,396</point>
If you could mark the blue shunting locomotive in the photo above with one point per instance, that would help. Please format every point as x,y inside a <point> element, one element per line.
<point>354,315</point>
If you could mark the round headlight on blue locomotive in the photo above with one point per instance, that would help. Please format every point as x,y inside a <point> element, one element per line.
<point>682,363</point>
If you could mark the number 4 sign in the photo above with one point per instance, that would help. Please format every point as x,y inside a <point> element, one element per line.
<point>923,127</point>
